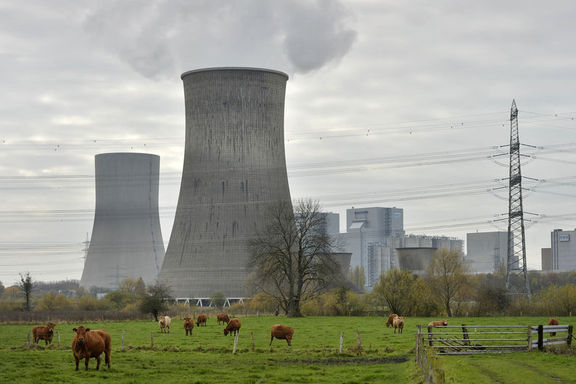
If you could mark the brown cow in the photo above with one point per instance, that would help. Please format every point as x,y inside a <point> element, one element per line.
<point>91,343</point>
<point>201,319</point>
<point>398,324</point>
<point>390,320</point>
<point>188,325</point>
<point>222,317</point>
<point>233,327</point>
<point>442,323</point>
<point>280,332</point>
<point>553,321</point>
<point>45,333</point>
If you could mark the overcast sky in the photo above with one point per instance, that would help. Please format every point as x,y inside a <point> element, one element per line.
<point>391,104</point>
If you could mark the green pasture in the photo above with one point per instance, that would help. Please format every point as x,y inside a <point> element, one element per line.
<point>206,357</point>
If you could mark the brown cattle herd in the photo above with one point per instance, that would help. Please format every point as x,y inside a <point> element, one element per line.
<point>92,343</point>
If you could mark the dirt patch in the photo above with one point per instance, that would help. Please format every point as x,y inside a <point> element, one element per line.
<point>537,371</point>
<point>488,373</point>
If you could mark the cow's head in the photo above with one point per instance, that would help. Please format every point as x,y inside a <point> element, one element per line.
<point>81,334</point>
<point>226,331</point>
<point>51,327</point>
<point>444,322</point>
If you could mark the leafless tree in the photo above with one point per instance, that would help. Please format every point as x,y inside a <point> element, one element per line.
<point>292,256</point>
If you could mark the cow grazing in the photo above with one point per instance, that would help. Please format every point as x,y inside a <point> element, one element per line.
<point>233,327</point>
<point>398,324</point>
<point>222,317</point>
<point>553,321</point>
<point>41,332</point>
<point>442,323</point>
<point>91,343</point>
<point>188,325</point>
<point>280,332</point>
<point>390,320</point>
<point>164,324</point>
<point>201,319</point>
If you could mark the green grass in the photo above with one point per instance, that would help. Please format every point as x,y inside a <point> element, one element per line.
<point>206,357</point>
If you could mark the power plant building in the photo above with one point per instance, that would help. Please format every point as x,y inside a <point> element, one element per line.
<point>234,171</point>
<point>126,238</point>
<point>384,256</point>
<point>563,244</point>
<point>487,252</point>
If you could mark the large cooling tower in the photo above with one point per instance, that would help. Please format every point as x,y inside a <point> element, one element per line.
<point>126,238</point>
<point>234,170</point>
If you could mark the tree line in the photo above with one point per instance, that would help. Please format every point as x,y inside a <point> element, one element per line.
<point>294,272</point>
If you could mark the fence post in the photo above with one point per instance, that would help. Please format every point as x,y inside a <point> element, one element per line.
<point>252,340</point>
<point>465,336</point>
<point>235,342</point>
<point>529,338</point>
<point>430,335</point>
<point>58,337</point>
<point>540,337</point>
<point>122,346</point>
<point>569,340</point>
<point>341,341</point>
<point>28,341</point>
<point>418,341</point>
<point>151,340</point>
<point>358,339</point>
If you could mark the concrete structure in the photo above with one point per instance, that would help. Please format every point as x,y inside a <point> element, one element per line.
<point>486,251</point>
<point>415,260</point>
<point>332,223</point>
<point>546,254</point>
<point>234,170</point>
<point>369,225</point>
<point>126,237</point>
<point>563,244</point>
<point>383,256</point>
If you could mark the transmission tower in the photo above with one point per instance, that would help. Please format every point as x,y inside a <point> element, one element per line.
<point>516,256</point>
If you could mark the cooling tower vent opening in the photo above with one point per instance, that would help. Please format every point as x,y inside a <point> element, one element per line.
<point>244,69</point>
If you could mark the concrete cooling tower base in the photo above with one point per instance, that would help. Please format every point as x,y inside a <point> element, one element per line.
<point>234,170</point>
<point>126,238</point>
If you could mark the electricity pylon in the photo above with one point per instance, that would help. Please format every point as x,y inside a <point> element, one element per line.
<point>516,255</point>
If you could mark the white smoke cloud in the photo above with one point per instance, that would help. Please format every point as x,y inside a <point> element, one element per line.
<point>160,37</point>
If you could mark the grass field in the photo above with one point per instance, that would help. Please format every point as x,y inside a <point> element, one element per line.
<point>206,357</point>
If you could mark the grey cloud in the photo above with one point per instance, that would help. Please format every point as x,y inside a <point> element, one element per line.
<point>317,34</point>
<point>157,38</point>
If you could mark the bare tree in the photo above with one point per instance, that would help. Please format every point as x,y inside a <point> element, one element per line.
<point>447,276</point>
<point>26,285</point>
<point>292,256</point>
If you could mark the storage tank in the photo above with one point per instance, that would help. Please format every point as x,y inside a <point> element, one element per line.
<point>234,170</point>
<point>126,238</point>
<point>415,260</point>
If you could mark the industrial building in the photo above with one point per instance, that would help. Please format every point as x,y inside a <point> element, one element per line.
<point>126,238</point>
<point>234,171</point>
<point>385,255</point>
<point>487,252</point>
<point>546,254</point>
<point>563,244</point>
<point>369,225</point>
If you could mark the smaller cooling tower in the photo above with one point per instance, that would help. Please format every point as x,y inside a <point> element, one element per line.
<point>126,237</point>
